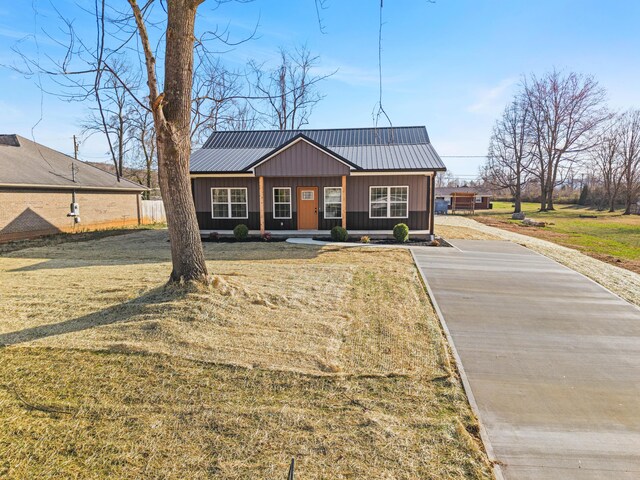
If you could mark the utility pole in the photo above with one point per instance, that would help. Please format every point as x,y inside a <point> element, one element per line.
<point>74,168</point>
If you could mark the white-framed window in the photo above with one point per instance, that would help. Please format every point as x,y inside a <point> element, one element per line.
<point>478,199</point>
<point>282,202</point>
<point>332,202</point>
<point>389,202</point>
<point>306,195</point>
<point>229,203</point>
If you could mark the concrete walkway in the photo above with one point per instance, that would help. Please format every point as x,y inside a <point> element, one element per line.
<point>552,360</point>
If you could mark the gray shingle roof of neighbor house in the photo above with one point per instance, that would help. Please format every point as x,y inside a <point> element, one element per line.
<point>27,164</point>
<point>373,149</point>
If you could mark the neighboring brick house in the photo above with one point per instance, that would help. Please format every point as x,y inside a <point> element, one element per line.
<point>38,186</point>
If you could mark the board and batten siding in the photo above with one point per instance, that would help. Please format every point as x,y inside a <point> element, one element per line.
<point>301,160</point>
<point>201,188</point>
<point>357,201</point>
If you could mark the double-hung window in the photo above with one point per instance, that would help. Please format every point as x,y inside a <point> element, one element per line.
<point>229,203</point>
<point>282,202</point>
<point>388,202</point>
<point>333,202</point>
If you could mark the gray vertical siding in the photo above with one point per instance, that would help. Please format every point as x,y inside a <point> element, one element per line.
<point>299,160</point>
<point>202,199</point>
<point>357,201</point>
<point>358,190</point>
<point>202,191</point>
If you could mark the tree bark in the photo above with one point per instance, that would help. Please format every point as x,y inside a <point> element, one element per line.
<point>172,120</point>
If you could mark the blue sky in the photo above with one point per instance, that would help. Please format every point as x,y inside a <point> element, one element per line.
<point>451,65</point>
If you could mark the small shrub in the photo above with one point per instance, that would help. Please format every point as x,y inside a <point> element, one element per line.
<point>401,232</point>
<point>266,237</point>
<point>365,239</point>
<point>339,234</point>
<point>214,236</point>
<point>434,243</point>
<point>241,232</point>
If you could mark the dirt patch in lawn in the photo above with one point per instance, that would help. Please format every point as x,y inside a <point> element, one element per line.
<point>332,356</point>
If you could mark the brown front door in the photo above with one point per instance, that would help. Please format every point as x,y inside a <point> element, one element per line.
<point>307,208</point>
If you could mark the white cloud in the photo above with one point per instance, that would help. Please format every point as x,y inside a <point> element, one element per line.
<point>492,100</point>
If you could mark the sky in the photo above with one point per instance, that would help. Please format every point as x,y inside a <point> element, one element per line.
<point>451,65</point>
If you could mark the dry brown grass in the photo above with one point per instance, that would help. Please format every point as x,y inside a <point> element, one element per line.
<point>452,232</point>
<point>330,355</point>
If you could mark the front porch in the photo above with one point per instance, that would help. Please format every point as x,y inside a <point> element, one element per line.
<point>417,234</point>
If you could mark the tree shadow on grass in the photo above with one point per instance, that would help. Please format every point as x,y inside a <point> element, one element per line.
<point>150,253</point>
<point>120,313</point>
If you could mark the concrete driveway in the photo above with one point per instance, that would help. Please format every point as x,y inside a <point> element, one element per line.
<point>551,358</point>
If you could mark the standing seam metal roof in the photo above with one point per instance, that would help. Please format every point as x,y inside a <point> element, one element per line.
<point>391,148</point>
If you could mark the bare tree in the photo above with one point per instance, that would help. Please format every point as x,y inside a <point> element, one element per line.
<point>110,115</point>
<point>509,155</point>
<point>607,162</point>
<point>288,92</point>
<point>565,111</point>
<point>142,136</point>
<point>630,152</point>
<point>219,101</point>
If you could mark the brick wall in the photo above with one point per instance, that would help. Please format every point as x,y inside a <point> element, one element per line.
<point>30,213</point>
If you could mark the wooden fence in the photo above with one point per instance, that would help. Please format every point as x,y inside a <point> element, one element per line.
<point>152,211</point>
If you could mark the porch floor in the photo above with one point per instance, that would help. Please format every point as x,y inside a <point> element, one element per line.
<point>319,233</point>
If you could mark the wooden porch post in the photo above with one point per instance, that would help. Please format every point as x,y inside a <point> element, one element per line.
<point>344,202</point>
<point>261,185</point>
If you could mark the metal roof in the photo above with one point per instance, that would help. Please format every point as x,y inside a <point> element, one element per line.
<point>465,189</point>
<point>28,164</point>
<point>378,149</point>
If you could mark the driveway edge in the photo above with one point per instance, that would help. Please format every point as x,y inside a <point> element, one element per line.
<point>497,470</point>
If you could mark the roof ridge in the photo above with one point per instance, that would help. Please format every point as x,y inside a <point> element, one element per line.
<point>317,129</point>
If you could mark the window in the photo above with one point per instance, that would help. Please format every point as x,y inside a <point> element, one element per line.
<point>307,195</point>
<point>388,202</point>
<point>478,199</point>
<point>332,202</point>
<point>282,202</point>
<point>229,203</point>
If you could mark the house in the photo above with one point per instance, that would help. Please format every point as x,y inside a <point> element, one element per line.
<point>365,179</point>
<point>464,198</point>
<point>43,191</point>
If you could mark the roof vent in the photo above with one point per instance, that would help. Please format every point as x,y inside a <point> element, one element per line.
<point>9,140</point>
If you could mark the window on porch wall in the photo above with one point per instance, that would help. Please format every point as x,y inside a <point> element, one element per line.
<point>282,203</point>
<point>332,202</point>
<point>229,203</point>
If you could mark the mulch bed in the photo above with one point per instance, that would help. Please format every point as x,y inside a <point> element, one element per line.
<point>247,240</point>
<point>391,241</point>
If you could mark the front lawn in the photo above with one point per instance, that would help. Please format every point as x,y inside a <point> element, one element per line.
<point>611,237</point>
<point>332,356</point>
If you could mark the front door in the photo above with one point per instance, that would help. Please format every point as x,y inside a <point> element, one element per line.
<point>307,208</point>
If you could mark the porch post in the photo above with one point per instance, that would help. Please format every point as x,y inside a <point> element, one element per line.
<point>344,202</point>
<point>261,185</point>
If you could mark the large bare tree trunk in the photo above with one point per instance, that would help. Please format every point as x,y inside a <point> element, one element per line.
<point>172,120</point>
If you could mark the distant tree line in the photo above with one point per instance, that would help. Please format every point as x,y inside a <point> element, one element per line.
<point>559,124</point>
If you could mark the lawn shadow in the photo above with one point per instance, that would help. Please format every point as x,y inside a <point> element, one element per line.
<point>120,313</point>
<point>148,247</point>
